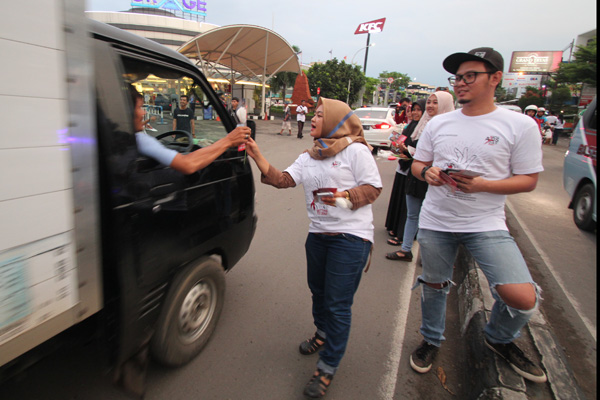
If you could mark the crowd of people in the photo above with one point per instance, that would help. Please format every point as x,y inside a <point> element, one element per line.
<point>455,169</point>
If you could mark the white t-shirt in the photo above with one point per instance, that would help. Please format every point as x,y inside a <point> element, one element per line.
<point>498,144</point>
<point>299,116</point>
<point>551,120</point>
<point>353,166</point>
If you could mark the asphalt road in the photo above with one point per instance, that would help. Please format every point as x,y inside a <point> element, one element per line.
<point>253,353</point>
<point>563,261</point>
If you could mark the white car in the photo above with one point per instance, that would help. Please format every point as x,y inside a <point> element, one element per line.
<point>378,125</point>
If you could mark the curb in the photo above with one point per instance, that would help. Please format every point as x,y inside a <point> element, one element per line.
<point>493,378</point>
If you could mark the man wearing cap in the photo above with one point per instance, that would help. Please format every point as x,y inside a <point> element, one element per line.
<point>497,152</point>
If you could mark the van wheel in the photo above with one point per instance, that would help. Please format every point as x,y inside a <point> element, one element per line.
<point>190,313</point>
<point>583,207</point>
<point>375,150</point>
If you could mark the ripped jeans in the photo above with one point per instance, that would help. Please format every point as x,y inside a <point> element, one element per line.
<point>501,261</point>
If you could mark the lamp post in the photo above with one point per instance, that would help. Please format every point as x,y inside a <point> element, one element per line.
<point>351,63</point>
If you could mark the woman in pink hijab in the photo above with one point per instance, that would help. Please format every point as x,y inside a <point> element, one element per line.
<point>438,103</point>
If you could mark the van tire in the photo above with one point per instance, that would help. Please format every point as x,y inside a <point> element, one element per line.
<point>189,313</point>
<point>583,207</point>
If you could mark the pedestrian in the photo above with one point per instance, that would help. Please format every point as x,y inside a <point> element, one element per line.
<point>551,121</point>
<point>301,112</point>
<point>502,146</point>
<point>558,129</point>
<point>396,215</point>
<point>341,226</point>
<point>437,104</point>
<point>183,117</point>
<point>402,111</point>
<point>287,123</point>
<point>238,112</point>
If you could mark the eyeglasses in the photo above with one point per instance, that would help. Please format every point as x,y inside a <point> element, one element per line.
<point>467,78</point>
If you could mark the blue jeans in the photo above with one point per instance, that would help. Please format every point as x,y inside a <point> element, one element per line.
<point>335,264</point>
<point>499,258</point>
<point>413,209</point>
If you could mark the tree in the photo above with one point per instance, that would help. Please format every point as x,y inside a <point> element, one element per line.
<point>532,95</point>
<point>582,69</point>
<point>560,95</point>
<point>333,78</point>
<point>282,80</point>
<point>400,79</point>
<point>370,86</point>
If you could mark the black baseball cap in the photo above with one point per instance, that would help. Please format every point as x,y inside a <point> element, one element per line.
<point>485,54</point>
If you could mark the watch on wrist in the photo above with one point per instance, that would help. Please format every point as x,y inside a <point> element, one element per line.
<point>424,170</point>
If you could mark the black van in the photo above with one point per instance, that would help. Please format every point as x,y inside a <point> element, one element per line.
<point>167,238</point>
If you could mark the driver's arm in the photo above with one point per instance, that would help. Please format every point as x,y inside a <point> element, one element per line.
<point>201,158</point>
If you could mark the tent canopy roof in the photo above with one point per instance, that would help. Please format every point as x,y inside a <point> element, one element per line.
<point>249,50</point>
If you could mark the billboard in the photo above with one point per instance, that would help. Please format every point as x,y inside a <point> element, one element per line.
<point>370,27</point>
<point>535,61</point>
<point>195,7</point>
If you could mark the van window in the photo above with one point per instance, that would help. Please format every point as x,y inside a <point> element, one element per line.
<point>162,88</point>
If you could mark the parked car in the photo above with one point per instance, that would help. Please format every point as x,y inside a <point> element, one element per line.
<point>579,173</point>
<point>378,125</point>
<point>163,101</point>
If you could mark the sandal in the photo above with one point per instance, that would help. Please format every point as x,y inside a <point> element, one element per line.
<point>391,233</point>
<point>394,241</point>
<point>318,384</point>
<point>400,256</point>
<point>311,346</point>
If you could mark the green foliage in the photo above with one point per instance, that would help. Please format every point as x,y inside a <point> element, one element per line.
<point>532,96</point>
<point>370,86</point>
<point>560,95</point>
<point>333,77</point>
<point>400,79</point>
<point>582,69</point>
<point>281,81</point>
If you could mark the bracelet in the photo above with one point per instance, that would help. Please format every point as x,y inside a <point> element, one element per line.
<point>424,170</point>
<point>347,195</point>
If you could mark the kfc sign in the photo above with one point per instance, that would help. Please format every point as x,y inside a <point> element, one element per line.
<point>370,27</point>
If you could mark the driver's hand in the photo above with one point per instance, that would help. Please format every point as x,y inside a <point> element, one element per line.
<point>239,135</point>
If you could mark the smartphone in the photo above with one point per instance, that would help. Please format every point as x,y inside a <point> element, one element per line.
<point>320,195</point>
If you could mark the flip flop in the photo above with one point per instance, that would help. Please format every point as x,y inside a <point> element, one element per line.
<point>396,256</point>
<point>394,241</point>
<point>391,233</point>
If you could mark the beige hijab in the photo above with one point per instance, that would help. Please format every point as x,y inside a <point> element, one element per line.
<point>445,104</point>
<point>340,128</point>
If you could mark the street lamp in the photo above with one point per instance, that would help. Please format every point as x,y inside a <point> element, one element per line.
<point>351,63</point>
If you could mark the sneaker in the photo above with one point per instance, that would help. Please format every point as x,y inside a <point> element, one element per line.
<point>518,361</point>
<point>422,358</point>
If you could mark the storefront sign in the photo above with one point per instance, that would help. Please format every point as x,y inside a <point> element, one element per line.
<point>370,27</point>
<point>187,6</point>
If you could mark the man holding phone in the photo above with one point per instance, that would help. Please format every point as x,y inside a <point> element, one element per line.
<point>503,147</point>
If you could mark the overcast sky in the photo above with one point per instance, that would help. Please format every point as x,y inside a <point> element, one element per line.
<point>417,36</point>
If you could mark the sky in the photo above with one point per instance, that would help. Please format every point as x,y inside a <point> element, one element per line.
<point>416,37</point>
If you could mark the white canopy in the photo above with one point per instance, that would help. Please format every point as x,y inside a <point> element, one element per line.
<point>253,52</point>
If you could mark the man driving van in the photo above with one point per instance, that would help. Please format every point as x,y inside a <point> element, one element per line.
<point>184,163</point>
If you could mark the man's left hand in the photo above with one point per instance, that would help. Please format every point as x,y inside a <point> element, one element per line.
<point>467,184</point>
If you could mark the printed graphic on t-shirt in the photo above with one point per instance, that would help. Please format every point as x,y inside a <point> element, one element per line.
<point>320,182</point>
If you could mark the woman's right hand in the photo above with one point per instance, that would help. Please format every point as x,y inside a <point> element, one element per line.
<point>252,148</point>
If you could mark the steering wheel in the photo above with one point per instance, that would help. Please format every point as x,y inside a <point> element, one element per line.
<point>181,147</point>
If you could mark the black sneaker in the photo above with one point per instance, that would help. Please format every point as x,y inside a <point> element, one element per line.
<point>422,358</point>
<point>518,361</point>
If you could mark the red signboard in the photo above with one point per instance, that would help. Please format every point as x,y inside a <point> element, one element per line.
<point>370,27</point>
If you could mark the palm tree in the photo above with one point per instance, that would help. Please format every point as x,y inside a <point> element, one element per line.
<point>282,80</point>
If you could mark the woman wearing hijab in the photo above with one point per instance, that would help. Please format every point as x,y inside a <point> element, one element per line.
<point>438,103</point>
<point>341,225</point>
<point>396,215</point>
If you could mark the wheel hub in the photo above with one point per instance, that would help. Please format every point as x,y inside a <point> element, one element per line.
<point>196,310</point>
